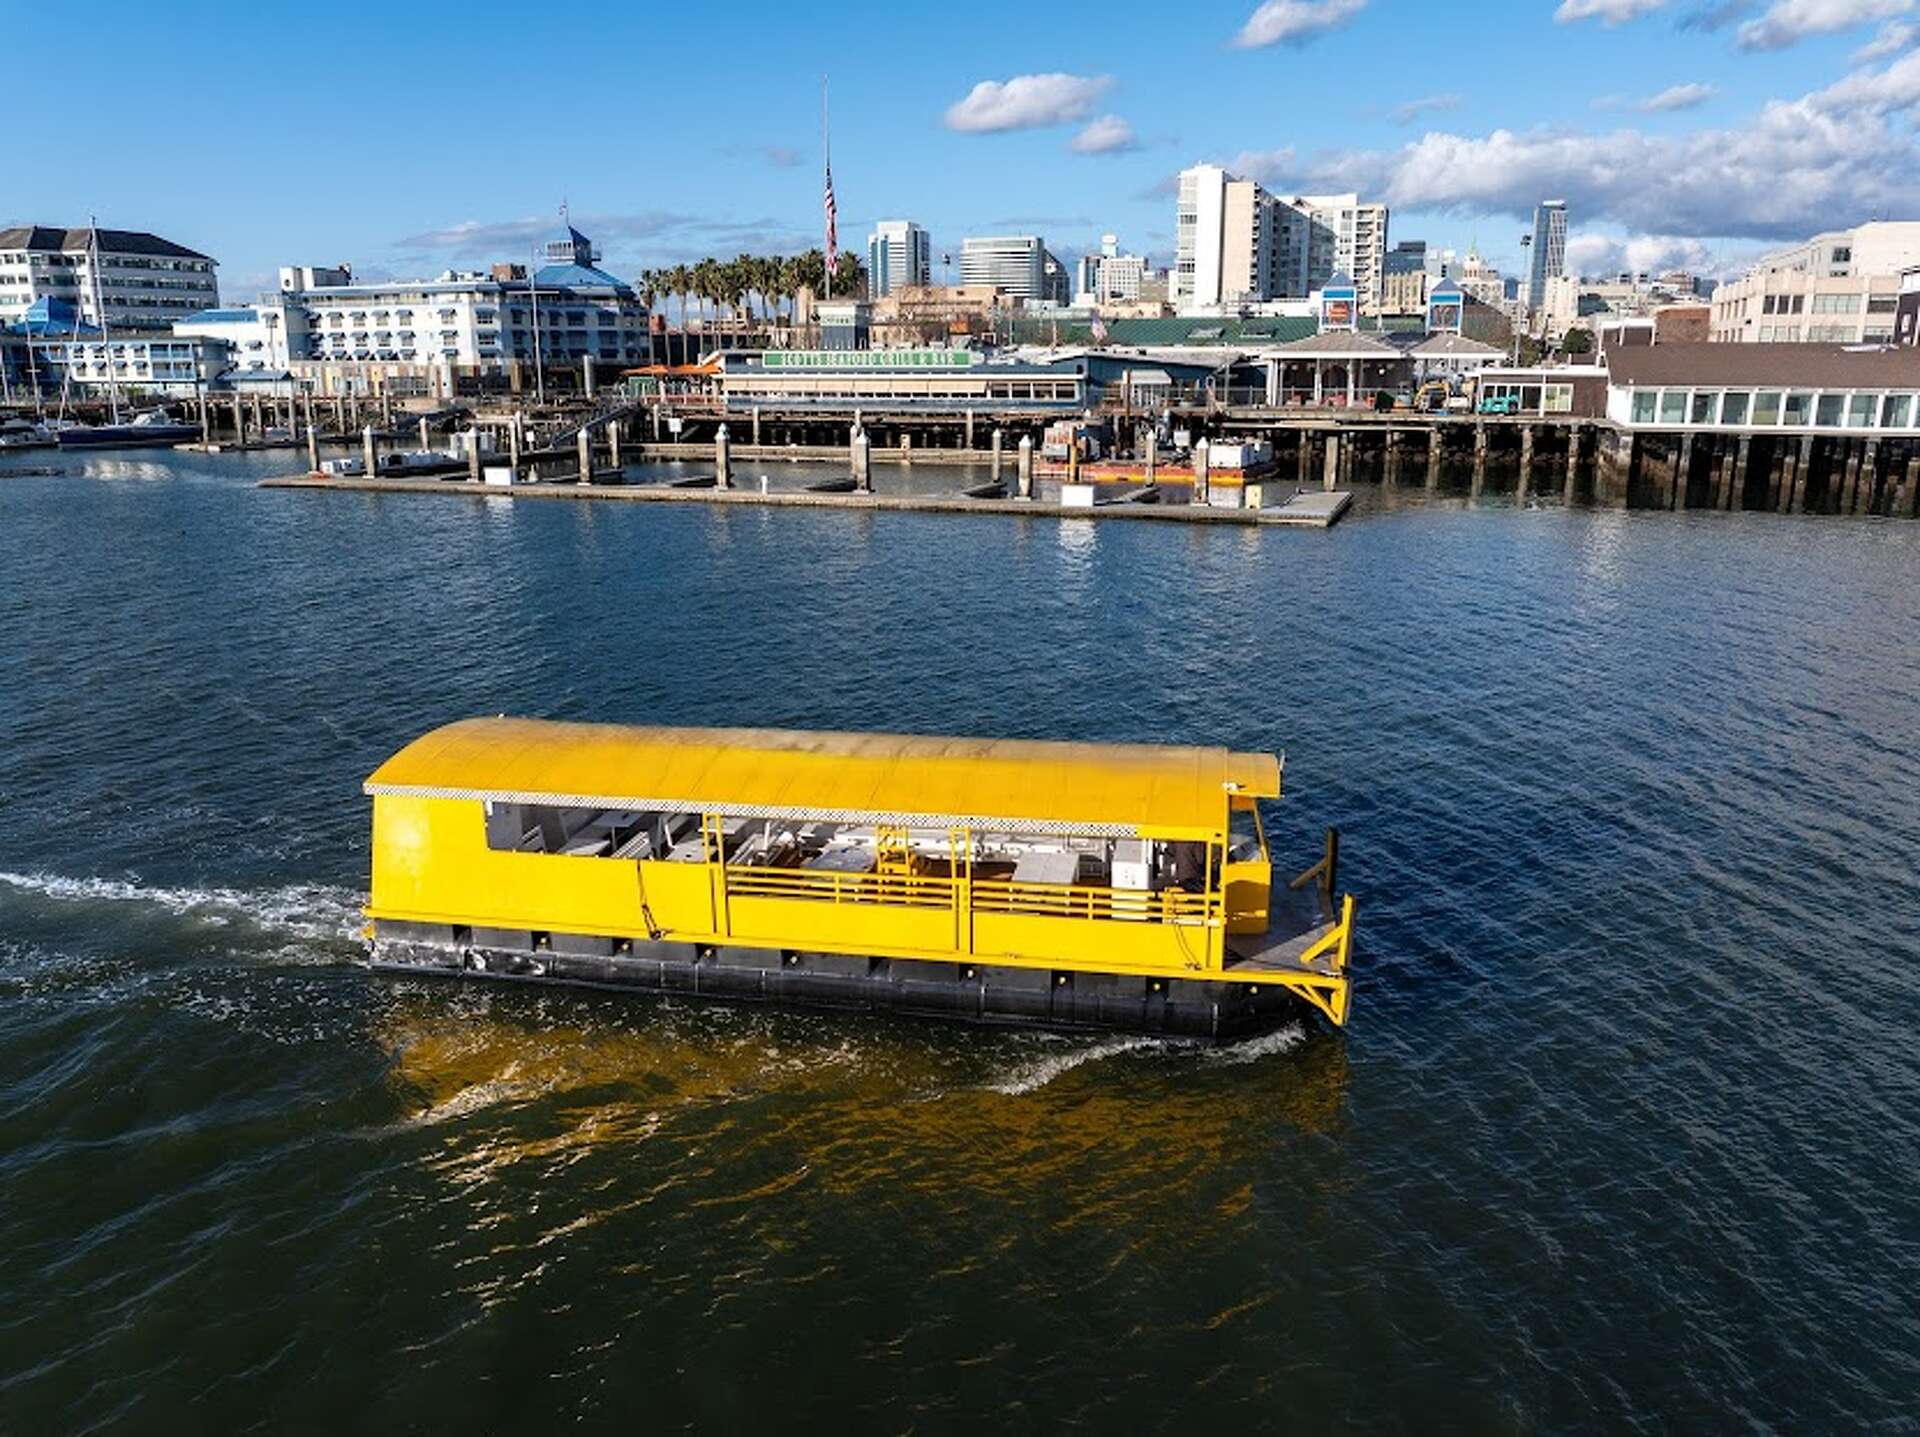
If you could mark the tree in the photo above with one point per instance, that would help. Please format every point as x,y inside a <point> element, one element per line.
<point>1577,341</point>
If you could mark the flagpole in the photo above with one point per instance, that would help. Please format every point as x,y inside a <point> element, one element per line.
<point>826,157</point>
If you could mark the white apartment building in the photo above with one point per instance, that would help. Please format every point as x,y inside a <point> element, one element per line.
<point>143,282</point>
<point>1235,244</point>
<point>1013,264</point>
<point>1349,236</point>
<point>1842,287</point>
<point>899,254</point>
<point>268,335</point>
<point>134,365</point>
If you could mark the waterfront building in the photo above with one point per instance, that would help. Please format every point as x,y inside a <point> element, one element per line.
<point>134,365</point>
<point>877,381</point>
<point>1548,259</point>
<point>1482,280</point>
<point>267,335</point>
<point>899,253</point>
<point>143,282</point>
<point>1766,388</point>
<point>1842,287</point>
<point>1014,264</point>
<point>465,322</point>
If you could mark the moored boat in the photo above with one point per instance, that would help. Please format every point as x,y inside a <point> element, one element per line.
<point>153,429</point>
<point>1063,885</point>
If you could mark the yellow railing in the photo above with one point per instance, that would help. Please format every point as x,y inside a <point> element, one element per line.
<point>988,895</point>
<point>904,890</point>
<point>1072,900</point>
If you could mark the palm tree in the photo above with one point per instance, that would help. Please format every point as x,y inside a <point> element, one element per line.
<point>649,288</point>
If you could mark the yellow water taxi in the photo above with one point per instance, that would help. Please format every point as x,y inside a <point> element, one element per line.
<point>1059,885</point>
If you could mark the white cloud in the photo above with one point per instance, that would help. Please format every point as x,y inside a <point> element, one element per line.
<point>1596,256</point>
<point>1787,22</point>
<point>1026,102</point>
<point>1795,168</point>
<point>1408,111</point>
<point>1607,12</point>
<point>1108,135</point>
<point>1877,93</point>
<point>1294,22</point>
<point>1894,36</point>
<point>1677,97</point>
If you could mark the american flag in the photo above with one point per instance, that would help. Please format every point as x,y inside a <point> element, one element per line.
<point>833,230</point>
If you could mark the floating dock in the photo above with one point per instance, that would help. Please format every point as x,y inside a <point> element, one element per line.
<point>1308,509</point>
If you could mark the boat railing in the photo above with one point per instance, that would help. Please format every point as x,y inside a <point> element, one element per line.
<point>985,895</point>
<point>1077,900</point>
<point>899,889</point>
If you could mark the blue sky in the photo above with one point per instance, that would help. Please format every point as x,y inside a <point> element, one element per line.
<point>1680,131</point>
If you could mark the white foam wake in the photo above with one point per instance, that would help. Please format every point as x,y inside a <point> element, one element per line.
<point>1251,1050</point>
<point>1039,1073</point>
<point>305,910</point>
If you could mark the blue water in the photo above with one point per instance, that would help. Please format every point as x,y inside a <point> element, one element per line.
<point>1623,1135</point>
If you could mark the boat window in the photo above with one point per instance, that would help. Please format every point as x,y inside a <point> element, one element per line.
<point>1245,842</point>
<point>589,832</point>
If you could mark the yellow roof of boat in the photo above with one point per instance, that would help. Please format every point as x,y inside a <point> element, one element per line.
<point>872,777</point>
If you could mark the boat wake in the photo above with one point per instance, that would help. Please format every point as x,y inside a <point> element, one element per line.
<point>1031,1077</point>
<point>1252,1050</point>
<point>304,910</point>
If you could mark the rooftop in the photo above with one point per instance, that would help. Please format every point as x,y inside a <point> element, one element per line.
<point>1798,366</point>
<point>56,239</point>
<point>846,777</point>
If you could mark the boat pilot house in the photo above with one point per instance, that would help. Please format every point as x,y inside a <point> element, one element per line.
<point>1057,884</point>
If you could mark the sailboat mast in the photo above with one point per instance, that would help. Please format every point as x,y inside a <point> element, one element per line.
<point>100,313</point>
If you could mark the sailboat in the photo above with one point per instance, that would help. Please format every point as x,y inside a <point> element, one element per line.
<point>153,429</point>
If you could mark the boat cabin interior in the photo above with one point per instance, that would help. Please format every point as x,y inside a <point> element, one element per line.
<point>683,836</point>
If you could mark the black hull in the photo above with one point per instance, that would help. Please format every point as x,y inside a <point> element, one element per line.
<point>955,992</point>
<point>153,437</point>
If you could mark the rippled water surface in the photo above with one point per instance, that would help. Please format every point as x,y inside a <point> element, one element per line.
<point>1624,1135</point>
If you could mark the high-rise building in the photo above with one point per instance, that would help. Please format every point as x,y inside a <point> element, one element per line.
<point>1014,264</point>
<point>141,281</point>
<point>1404,290</point>
<point>1346,236</point>
<point>1234,243</point>
<point>898,254</point>
<point>1549,258</point>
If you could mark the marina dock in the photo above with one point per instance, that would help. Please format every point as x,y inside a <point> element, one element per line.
<point>1306,510</point>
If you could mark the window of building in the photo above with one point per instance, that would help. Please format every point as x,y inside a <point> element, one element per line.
<point>1705,401</point>
<point>1673,406</point>
<point>1882,303</point>
<point>1643,402</point>
<point>1799,300</point>
<point>1799,407</point>
<point>1860,411</point>
<point>1828,412</point>
<point>1894,410</point>
<point>1766,305</point>
<point>1733,409</point>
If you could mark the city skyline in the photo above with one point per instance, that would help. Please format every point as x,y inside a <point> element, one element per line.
<point>1680,135</point>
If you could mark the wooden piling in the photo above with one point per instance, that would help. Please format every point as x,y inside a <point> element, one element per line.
<point>1910,481</point>
<point>1330,469</point>
<point>1479,457</point>
<point>1433,457</point>
<point>1802,463</point>
<point>583,448</point>
<point>1573,464</point>
<point>1526,463</point>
